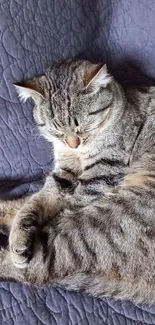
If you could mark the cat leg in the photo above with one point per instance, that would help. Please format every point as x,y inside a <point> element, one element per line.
<point>8,271</point>
<point>29,223</point>
<point>8,210</point>
<point>37,213</point>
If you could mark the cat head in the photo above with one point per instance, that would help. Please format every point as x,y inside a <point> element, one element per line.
<point>72,101</point>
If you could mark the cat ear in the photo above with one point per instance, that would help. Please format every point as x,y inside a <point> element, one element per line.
<point>33,88</point>
<point>97,76</point>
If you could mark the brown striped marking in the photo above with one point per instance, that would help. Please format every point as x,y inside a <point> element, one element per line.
<point>140,178</point>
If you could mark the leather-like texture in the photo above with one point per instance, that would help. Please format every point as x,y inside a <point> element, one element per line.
<point>34,34</point>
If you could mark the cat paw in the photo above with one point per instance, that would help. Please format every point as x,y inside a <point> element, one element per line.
<point>21,242</point>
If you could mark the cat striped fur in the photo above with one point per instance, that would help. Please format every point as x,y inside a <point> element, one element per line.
<point>91,227</point>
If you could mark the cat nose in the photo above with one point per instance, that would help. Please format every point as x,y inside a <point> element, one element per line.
<point>72,140</point>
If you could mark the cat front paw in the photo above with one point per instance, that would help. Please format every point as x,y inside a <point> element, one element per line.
<point>21,240</point>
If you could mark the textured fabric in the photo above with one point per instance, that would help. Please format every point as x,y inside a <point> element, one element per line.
<point>33,34</point>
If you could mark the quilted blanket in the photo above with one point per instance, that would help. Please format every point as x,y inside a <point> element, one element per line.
<point>34,34</point>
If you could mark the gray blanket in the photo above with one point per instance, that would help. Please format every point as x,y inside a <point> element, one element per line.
<point>34,34</point>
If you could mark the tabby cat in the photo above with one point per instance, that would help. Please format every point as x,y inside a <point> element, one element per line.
<point>92,226</point>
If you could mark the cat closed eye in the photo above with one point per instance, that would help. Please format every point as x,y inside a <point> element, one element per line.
<point>40,124</point>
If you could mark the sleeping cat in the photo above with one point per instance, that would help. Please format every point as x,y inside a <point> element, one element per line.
<point>92,226</point>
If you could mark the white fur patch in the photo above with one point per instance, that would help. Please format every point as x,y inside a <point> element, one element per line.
<point>103,79</point>
<point>23,93</point>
